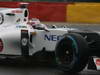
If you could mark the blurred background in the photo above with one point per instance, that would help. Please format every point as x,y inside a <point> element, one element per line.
<point>57,0</point>
<point>68,11</point>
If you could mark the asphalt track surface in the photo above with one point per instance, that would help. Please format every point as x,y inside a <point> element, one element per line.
<point>9,69</point>
<point>19,70</point>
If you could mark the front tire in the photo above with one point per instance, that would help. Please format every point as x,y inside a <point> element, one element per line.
<point>72,53</point>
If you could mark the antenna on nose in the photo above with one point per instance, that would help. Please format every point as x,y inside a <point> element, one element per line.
<point>24,5</point>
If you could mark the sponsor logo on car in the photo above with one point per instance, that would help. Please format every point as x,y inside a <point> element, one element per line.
<point>19,26</point>
<point>24,41</point>
<point>52,37</point>
<point>17,11</point>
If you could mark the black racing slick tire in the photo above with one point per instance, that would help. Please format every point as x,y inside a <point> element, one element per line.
<point>24,43</point>
<point>71,53</point>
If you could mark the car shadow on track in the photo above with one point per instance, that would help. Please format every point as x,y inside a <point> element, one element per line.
<point>39,68</point>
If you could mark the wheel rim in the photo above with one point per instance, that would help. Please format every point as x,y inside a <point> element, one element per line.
<point>66,53</point>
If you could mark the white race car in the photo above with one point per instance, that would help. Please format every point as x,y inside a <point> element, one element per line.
<point>71,49</point>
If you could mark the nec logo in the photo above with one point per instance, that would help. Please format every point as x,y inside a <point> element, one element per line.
<point>52,37</point>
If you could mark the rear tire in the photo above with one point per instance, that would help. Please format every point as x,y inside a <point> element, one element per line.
<point>72,53</point>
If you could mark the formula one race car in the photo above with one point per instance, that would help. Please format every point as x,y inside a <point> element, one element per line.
<point>71,49</point>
